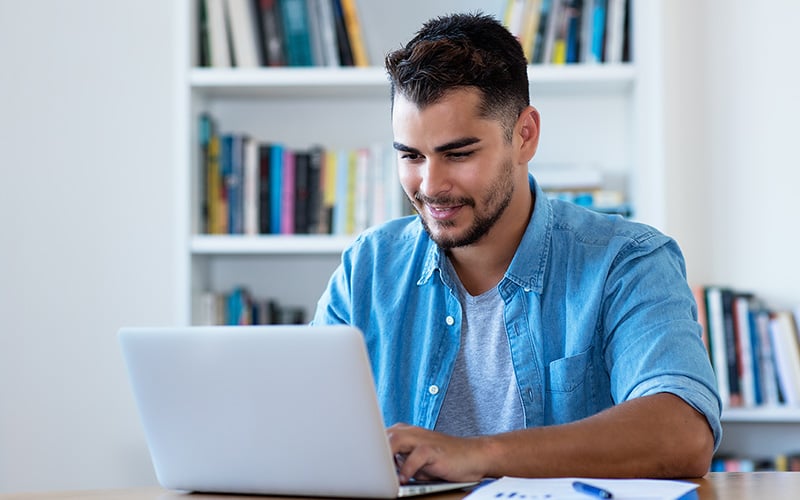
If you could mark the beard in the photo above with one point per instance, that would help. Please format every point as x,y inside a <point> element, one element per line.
<point>493,205</point>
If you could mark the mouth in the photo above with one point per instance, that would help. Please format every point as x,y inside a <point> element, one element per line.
<point>442,213</point>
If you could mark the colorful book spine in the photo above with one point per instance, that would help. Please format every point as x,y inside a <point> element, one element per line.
<point>287,191</point>
<point>275,186</point>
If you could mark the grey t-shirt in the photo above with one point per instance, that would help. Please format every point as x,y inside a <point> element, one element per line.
<point>483,396</point>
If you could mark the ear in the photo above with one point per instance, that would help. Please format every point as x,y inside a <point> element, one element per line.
<point>527,130</point>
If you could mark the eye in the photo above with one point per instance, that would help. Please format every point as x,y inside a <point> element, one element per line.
<point>459,155</point>
<point>409,156</point>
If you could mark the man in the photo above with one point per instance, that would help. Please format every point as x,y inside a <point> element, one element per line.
<point>510,334</point>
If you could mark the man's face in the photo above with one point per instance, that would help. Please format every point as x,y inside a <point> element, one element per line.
<point>454,166</point>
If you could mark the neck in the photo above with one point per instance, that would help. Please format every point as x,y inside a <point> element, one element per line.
<point>483,264</point>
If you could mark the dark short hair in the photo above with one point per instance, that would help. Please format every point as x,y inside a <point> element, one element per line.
<point>461,51</point>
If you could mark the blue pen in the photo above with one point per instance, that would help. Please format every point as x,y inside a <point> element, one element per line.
<point>591,490</point>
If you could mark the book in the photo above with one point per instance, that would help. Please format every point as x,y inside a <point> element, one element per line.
<point>217,26</point>
<point>783,332</point>
<point>363,190</point>
<point>594,54</point>
<point>301,178</point>
<point>768,381</point>
<point>513,17</point>
<point>731,348</point>
<point>250,186</point>
<point>287,190</point>
<point>329,184</point>
<point>573,29</point>
<point>203,42</point>
<point>716,331</point>
<point>316,156</point>
<point>615,31</point>
<point>296,36</point>
<point>205,131</point>
<point>315,33</point>
<point>746,354</point>
<point>271,33</point>
<point>275,187</point>
<point>539,47</point>
<point>217,201</point>
<point>354,33</point>
<point>530,28</point>
<point>327,29</point>
<point>587,25</point>
<point>263,188</point>
<point>246,47</point>
<point>342,37</point>
<point>555,23</point>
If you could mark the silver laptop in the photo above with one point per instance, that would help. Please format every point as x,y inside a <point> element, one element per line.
<point>277,410</point>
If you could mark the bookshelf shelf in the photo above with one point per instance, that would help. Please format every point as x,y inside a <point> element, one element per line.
<point>268,245</point>
<point>332,82</point>
<point>775,414</point>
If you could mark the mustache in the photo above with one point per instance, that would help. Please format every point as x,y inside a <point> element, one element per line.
<point>443,200</point>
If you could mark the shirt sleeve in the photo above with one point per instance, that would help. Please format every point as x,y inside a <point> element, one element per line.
<point>653,341</point>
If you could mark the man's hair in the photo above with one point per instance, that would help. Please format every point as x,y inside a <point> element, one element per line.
<point>462,51</point>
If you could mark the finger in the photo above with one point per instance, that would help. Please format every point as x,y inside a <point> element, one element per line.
<point>415,462</point>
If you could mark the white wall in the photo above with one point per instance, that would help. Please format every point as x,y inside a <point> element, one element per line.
<point>732,106</point>
<point>87,217</point>
<point>86,232</point>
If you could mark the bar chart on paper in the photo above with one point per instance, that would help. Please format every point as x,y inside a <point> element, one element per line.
<point>513,488</point>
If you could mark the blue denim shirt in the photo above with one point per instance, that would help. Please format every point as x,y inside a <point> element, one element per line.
<point>597,311</point>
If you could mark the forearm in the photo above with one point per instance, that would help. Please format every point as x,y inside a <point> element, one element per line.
<point>654,436</point>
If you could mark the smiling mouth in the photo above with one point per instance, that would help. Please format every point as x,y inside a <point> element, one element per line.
<point>443,213</point>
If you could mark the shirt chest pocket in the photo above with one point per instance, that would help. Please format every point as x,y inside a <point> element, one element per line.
<point>569,388</point>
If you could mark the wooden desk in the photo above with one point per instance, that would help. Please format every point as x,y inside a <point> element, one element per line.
<point>714,486</point>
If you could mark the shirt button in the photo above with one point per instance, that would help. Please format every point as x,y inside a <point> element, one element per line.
<point>449,320</point>
<point>434,390</point>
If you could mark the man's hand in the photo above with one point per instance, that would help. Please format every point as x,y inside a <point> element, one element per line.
<point>425,454</point>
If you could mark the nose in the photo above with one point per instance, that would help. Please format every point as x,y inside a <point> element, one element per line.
<point>435,178</point>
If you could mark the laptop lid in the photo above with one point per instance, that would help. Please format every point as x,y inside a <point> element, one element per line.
<point>280,410</point>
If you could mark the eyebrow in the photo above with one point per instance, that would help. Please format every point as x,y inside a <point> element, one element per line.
<point>456,144</point>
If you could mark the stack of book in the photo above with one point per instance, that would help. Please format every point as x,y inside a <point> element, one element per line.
<point>571,31</point>
<point>256,33</point>
<point>583,185</point>
<point>754,349</point>
<point>251,187</point>
<point>240,307</point>
<point>781,463</point>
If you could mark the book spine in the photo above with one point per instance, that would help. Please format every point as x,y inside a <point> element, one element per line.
<point>275,187</point>
<point>354,33</point>
<point>327,26</point>
<point>272,33</point>
<point>250,186</point>
<point>572,20</point>
<point>297,40</point>
<point>287,192</point>
<point>598,31</point>
<point>716,325</point>
<point>301,167</point>
<point>314,212</point>
<point>342,38</point>
<point>263,189</point>
<point>219,46</point>
<point>731,348</point>
<point>244,33</point>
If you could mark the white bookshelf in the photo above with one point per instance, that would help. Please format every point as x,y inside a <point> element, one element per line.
<point>609,116</point>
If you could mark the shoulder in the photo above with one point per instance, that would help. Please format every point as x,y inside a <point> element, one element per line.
<point>585,227</point>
